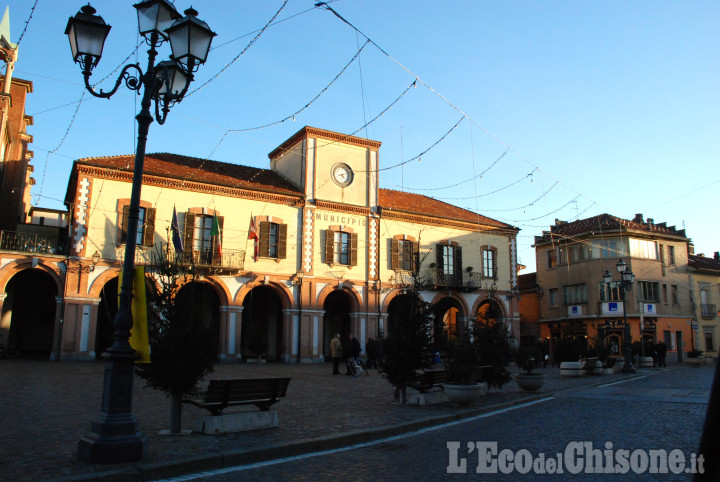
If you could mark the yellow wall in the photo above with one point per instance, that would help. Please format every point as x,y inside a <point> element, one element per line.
<point>104,218</point>
<point>329,153</point>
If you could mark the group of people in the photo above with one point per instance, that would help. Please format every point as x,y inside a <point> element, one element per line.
<point>373,350</point>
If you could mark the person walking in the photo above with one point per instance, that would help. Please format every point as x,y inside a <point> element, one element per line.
<point>371,350</point>
<point>336,352</point>
<point>661,349</point>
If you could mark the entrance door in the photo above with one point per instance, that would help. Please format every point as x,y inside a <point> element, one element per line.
<point>678,338</point>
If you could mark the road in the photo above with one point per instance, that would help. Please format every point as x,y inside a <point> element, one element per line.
<point>629,424</point>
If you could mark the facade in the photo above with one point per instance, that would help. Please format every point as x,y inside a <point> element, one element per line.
<point>704,275</point>
<point>571,260</point>
<point>287,256</point>
<point>15,168</point>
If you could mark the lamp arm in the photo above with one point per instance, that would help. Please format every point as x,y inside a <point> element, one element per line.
<point>132,82</point>
<point>166,101</point>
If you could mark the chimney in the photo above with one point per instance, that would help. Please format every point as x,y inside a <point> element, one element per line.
<point>691,247</point>
<point>638,218</point>
<point>651,223</point>
<point>716,256</point>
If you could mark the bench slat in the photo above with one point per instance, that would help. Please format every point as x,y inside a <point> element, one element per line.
<point>262,392</point>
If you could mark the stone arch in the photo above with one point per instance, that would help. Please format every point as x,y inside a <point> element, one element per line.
<point>280,289</point>
<point>14,267</point>
<point>450,313</point>
<point>347,288</point>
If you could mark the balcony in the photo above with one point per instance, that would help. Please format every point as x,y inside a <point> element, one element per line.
<point>464,281</point>
<point>20,242</point>
<point>709,311</point>
<point>207,259</point>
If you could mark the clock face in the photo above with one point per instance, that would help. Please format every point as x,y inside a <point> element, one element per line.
<point>342,174</point>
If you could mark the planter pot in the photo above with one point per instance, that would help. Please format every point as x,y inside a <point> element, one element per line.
<point>463,394</point>
<point>619,363</point>
<point>571,369</point>
<point>530,382</point>
<point>596,369</point>
<point>645,361</point>
<point>694,362</point>
<point>608,371</point>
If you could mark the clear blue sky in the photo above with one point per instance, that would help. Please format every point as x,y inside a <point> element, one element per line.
<point>597,107</point>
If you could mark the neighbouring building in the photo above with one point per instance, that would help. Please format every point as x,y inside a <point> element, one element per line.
<point>705,296</point>
<point>573,256</point>
<point>308,248</point>
<point>15,168</point>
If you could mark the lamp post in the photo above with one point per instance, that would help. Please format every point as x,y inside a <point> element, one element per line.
<point>114,437</point>
<point>627,278</point>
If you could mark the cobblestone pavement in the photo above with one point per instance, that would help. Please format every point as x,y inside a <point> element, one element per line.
<point>46,407</point>
<point>637,414</point>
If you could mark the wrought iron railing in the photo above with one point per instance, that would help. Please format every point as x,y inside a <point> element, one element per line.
<point>30,243</point>
<point>227,259</point>
<point>709,311</point>
<point>465,280</point>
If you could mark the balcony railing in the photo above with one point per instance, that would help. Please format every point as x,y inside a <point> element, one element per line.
<point>229,260</point>
<point>709,311</point>
<point>468,281</point>
<point>30,243</point>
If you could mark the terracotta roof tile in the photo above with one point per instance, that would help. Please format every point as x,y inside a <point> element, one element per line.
<point>194,169</point>
<point>427,206</point>
<point>702,263</point>
<point>603,223</point>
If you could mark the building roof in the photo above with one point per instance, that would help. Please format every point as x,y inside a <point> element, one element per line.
<point>175,166</point>
<point>704,264</point>
<point>606,224</point>
<point>423,205</point>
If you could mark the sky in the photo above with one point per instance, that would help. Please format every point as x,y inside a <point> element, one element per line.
<point>522,111</point>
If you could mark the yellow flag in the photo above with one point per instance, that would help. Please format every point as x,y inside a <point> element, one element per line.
<point>139,339</point>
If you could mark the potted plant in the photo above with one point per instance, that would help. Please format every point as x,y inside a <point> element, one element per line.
<point>461,363</point>
<point>694,357</point>
<point>567,352</point>
<point>528,358</point>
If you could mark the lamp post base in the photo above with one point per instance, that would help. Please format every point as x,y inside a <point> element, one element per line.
<point>114,437</point>
<point>628,366</point>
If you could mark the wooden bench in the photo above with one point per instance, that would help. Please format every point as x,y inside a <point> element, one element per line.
<point>261,392</point>
<point>429,379</point>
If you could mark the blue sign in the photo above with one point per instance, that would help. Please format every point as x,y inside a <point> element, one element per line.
<point>613,307</point>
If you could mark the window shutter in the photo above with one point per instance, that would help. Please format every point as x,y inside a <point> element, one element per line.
<point>329,246</point>
<point>439,258</point>
<point>353,249</point>
<point>416,257</point>
<point>494,264</point>
<point>282,240</point>
<point>394,246</point>
<point>264,242</point>
<point>458,264</point>
<point>149,231</point>
<point>189,232</point>
<point>124,223</point>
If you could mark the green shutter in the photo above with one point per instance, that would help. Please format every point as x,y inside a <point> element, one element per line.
<point>458,265</point>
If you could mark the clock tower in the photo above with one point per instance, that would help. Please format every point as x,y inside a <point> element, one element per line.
<point>330,167</point>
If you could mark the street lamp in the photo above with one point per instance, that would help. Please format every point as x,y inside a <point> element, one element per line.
<point>114,437</point>
<point>627,279</point>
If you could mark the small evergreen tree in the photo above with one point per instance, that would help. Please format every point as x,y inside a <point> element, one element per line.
<point>407,346</point>
<point>183,344</point>
<point>491,340</point>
